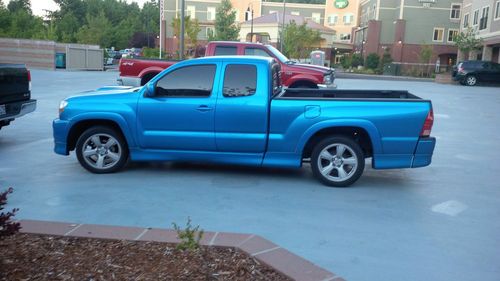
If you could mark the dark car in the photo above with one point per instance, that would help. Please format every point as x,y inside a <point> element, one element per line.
<point>473,71</point>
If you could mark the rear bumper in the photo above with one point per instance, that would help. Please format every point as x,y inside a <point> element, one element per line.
<point>60,129</point>
<point>16,110</point>
<point>129,81</point>
<point>423,153</point>
<point>327,86</point>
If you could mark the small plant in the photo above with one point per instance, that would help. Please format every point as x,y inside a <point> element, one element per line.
<point>372,61</point>
<point>356,60</point>
<point>190,236</point>
<point>7,227</point>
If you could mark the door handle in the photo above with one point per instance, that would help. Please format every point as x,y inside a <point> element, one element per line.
<point>204,108</point>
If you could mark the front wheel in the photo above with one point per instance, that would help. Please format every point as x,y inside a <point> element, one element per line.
<point>471,80</point>
<point>337,161</point>
<point>101,150</point>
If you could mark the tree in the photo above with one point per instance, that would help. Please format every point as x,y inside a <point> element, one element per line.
<point>356,60</point>
<point>372,61</point>
<point>425,57</point>
<point>19,5</point>
<point>96,31</point>
<point>299,40</point>
<point>226,28</point>
<point>191,30</point>
<point>467,42</point>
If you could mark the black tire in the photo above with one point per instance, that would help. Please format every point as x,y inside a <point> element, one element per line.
<point>304,85</point>
<point>113,157</point>
<point>352,152</point>
<point>470,80</point>
<point>147,77</point>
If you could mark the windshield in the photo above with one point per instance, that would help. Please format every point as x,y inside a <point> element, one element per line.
<point>282,58</point>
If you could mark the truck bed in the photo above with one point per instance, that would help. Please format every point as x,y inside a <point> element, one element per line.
<point>346,94</point>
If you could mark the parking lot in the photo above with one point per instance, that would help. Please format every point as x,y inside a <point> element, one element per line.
<point>435,223</point>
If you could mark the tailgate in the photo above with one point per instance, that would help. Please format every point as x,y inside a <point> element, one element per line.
<point>14,83</point>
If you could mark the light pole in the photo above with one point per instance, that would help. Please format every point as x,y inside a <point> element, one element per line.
<point>181,55</point>
<point>250,13</point>
<point>283,27</point>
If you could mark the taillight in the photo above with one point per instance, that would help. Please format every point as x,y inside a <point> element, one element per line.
<point>427,128</point>
<point>29,80</point>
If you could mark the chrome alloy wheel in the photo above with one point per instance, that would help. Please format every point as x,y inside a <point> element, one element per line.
<point>471,80</point>
<point>337,162</point>
<point>101,151</point>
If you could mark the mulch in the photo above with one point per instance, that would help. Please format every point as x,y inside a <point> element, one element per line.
<point>44,257</point>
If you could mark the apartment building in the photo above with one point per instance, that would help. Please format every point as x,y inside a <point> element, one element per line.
<point>404,26</point>
<point>483,17</point>
<point>339,15</point>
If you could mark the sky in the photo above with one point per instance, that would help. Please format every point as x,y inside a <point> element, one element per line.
<point>38,6</point>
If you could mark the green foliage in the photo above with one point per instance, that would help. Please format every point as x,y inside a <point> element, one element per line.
<point>7,226</point>
<point>467,41</point>
<point>96,31</point>
<point>299,40</point>
<point>345,61</point>
<point>372,61</point>
<point>356,60</point>
<point>153,53</point>
<point>226,28</point>
<point>190,236</point>
<point>19,5</point>
<point>425,53</point>
<point>386,57</point>
<point>191,30</point>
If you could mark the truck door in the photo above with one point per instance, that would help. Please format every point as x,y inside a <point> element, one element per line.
<point>241,118</point>
<point>180,116</point>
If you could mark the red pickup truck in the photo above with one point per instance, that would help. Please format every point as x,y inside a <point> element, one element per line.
<point>137,72</point>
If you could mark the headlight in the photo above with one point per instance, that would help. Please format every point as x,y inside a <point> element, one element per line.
<point>62,106</point>
<point>327,79</point>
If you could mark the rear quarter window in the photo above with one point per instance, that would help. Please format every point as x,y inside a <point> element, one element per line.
<point>225,51</point>
<point>240,80</point>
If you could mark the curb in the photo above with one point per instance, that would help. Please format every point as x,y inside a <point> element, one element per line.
<point>350,75</point>
<point>261,249</point>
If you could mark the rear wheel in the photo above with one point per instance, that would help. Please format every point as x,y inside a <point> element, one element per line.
<point>304,85</point>
<point>470,80</point>
<point>337,161</point>
<point>101,150</point>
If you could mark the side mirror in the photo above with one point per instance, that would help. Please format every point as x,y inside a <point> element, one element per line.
<point>150,90</point>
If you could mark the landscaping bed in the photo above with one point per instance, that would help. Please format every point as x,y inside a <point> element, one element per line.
<point>44,257</point>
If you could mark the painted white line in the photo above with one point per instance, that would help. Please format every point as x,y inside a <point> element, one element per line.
<point>142,233</point>
<point>332,278</point>
<point>450,208</point>
<point>71,231</point>
<point>265,251</point>
<point>246,240</point>
<point>443,116</point>
<point>213,239</point>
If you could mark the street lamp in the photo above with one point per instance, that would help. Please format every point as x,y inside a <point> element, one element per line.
<point>250,13</point>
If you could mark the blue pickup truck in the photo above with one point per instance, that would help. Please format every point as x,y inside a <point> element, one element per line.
<point>234,110</point>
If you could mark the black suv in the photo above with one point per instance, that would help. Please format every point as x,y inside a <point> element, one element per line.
<point>473,71</point>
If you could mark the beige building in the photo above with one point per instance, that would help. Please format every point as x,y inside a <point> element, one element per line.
<point>483,17</point>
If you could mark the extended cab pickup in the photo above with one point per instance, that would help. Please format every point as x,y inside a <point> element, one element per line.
<point>234,110</point>
<point>137,72</point>
<point>15,93</point>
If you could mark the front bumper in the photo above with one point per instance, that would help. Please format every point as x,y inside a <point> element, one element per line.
<point>129,81</point>
<point>60,130</point>
<point>458,77</point>
<point>327,86</point>
<point>423,153</point>
<point>18,109</point>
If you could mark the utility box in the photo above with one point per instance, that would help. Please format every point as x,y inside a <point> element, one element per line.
<point>392,69</point>
<point>60,60</point>
<point>318,57</point>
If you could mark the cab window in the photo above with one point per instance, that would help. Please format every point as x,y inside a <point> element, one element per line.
<point>240,80</point>
<point>225,51</point>
<point>256,52</point>
<point>180,82</point>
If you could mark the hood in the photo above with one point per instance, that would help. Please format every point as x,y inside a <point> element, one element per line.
<point>312,67</point>
<point>106,91</point>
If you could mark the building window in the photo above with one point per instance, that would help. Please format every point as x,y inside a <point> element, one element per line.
<point>345,37</point>
<point>452,33</point>
<point>438,35</point>
<point>316,17</point>
<point>295,13</point>
<point>333,19</point>
<point>497,10</point>
<point>191,12</point>
<point>466,21</point>
<point>455,11</point>
<point>348,19</point>
<point>475,18</point>
<point>211,13</point>
<point>483,22</point>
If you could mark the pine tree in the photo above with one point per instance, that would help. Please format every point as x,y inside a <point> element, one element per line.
<point>226,28</point>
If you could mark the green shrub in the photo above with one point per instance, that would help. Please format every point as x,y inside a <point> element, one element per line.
<point>356,60</point>
<point>345,61</point>
<point>7,226</point>
<point>190,236</point>
<point>372,61</point>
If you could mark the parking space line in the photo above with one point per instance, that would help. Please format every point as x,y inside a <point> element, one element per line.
<point>142,234</point>
<point>213,239</point>
<point>266,251</point>
<point>71,231</point>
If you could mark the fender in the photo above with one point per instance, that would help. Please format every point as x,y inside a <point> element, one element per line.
<point>151,69</point>
<point>368,126</point>
<point>115,117</point>
<point>303,77</point>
